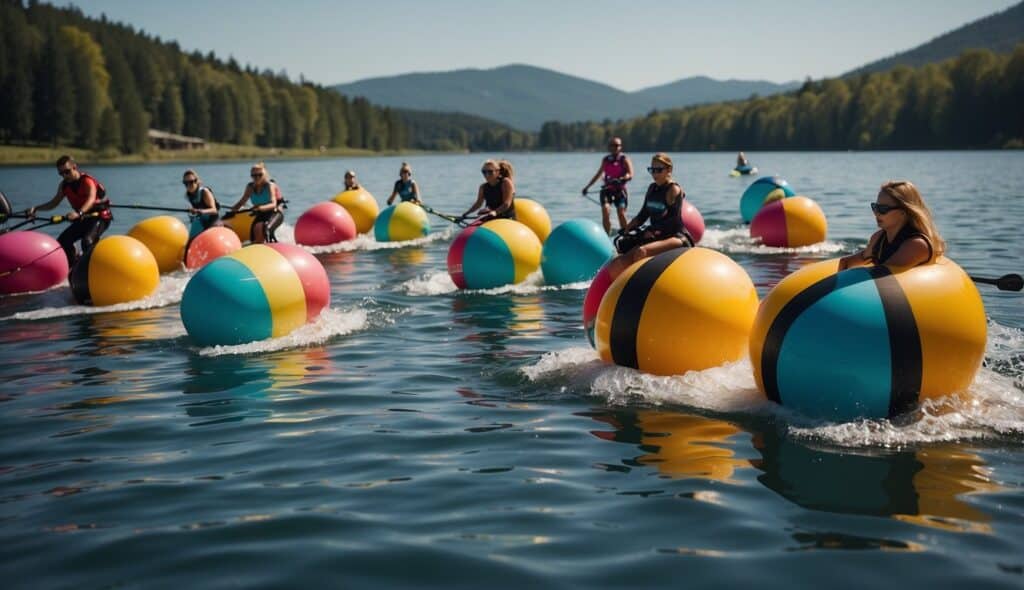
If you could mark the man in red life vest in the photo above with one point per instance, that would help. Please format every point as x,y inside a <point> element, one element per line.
<point>617,170</point>
<point>90,208</point>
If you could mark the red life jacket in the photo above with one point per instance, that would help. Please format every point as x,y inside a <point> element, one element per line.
<point>77,193</point>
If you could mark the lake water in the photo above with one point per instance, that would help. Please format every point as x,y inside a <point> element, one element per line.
<point>417,435</point>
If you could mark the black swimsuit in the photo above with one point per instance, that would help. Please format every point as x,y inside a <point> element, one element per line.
<point>493,198</point>
<point>884,250</point>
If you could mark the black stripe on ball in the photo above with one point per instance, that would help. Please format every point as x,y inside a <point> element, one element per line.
<point>629,307</point>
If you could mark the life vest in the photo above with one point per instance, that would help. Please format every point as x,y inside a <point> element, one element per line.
<point>196,201</point>
<point>77,194</point>
<point>614,168</point>
<point>493,197</point>
<point>884,250</point>
<point>404,190</point>
<point>263,196</point>
<point>665,219</point>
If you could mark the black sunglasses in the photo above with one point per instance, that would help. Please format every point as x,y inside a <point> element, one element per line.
<point>189,181</point>
<point>256,175</point>
<point>655,169</point>
<point>64,171</point>
<point>882,208</point>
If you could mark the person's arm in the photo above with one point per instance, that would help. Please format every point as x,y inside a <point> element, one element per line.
<point>208,201</point>
<point>242,200</point>
<point>476,204</point>
<point>600,170</point>
<point>629,171</point>
<point>31,211</point>
<point>394,192</point>
<point>416,193</point>
<point>911,253</point>
<point>862,257</point>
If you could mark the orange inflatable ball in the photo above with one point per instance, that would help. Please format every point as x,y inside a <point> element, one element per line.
<point>165,236</point>
<point>687,309</point>
<point>241,224</point>
<point>211,244</point>
<point>117,269</point>
<point>533,215</point>
<point>361,205</point>
<point>790,223</point>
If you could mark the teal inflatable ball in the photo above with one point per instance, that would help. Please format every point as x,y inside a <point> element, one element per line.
<point>401,222</point>
<point>574,252</point>
<point>761,191</point>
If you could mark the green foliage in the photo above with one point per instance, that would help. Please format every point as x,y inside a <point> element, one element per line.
<point>88,83</point>
<point>972,101</point>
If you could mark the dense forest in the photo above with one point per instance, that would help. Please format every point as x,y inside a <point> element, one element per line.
<point>74,81</point>
<point>972,101</point>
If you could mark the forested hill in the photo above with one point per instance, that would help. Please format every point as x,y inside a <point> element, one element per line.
<point>524,97</point>
<point>999,32</point>
<point>76,81</point>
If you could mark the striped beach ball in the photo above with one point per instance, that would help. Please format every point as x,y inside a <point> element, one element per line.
<point>790,223</point>
<point>867,342</point>
<point>401,222</point>
<point>499,252</point>
<point>763,190</point>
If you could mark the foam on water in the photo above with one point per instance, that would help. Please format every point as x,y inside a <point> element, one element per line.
<point>368,242</point>
<point>737,240</point>
<point>440,283</point>
<point>993,407</point>
<point>168,292</point>
<point>330,323</point>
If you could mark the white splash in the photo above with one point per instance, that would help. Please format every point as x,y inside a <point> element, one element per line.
<point>738,241</point>
<point>168,292</point>
<point>368,242</point>
<point>330,324</point>
<point>440,283</point>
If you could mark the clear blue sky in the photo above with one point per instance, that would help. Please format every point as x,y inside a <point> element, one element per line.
<point>626,44</point>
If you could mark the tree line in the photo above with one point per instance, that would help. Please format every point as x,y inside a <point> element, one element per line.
<point>75,81</point>
<point>972,101</point>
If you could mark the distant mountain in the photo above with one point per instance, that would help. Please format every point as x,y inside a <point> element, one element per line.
<point>1000,32</point>
<point>701,89</point>
<point>525,97</point>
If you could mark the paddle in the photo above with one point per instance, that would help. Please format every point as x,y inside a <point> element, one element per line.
<point>42,221</point>
<point>459,221</point>
<point>1010,282</point>
<point>150,208</point>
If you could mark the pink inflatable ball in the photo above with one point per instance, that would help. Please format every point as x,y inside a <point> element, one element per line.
<point>211,244</point>
<point>592,301</point>
<point>312,275</point>
<point>323,224</point>
<point>790,223</point>
<point>30,261</point>
<point>693,221</point>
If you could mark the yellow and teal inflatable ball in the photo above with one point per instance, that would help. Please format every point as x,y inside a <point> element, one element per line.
<point>165,236</point>
<point>574,252</point>
<point>687,309</point>
<point>116,270</point>
<point>499,252</point>
<point>790,223</point>
<point>249,295</point>
<point>534,216</point>
<point>361,205</point>
<point>401,222</point>
<point>761,191</point>
<point>867,342</point>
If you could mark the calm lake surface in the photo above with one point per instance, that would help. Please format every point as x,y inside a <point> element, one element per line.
<point>416,435</point>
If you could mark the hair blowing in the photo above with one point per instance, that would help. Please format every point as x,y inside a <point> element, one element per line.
<point>919,216</point>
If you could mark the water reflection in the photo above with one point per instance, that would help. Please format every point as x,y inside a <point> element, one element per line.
<point>121,332</point>
<point>406,257</point>
<point>678,445</point>
<point>767,271</point>
<point>924,487</point>
<point>494,319</point>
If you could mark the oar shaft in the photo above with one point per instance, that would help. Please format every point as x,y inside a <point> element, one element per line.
<point>150,208</point>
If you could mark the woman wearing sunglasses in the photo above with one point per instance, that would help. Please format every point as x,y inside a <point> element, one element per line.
<point>203,209</point>
<point>907,235</point>
<point>266,205</point>
<point>662,212</point>
<point>497,192</point>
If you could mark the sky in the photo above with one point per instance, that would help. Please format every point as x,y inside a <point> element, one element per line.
<point>626,44</point>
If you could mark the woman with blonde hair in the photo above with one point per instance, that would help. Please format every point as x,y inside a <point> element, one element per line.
<point>405,187</point>
<point>497,192</point>
<point>266,205</point>
<point>662,212</point>
<point>907,235</point>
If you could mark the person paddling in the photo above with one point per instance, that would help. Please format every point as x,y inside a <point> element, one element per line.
<point>497,192</point>
<point>203,210</point>
<point>266,205</point>
<point>907,235</point>
<point>617,170</point>
<point>405,187</point>
<point>662,212</point>
<point>351,184</point>
<point>90,214</point>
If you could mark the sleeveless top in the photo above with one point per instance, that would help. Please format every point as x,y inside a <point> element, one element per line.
<point>666,219</point>
<point>77,193</point>
<point>404,190</point>
<point>884,250</point>
<point>493,198</point>
<point>614,167</point>
<point>263,195</point>
<point>196,201</point>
